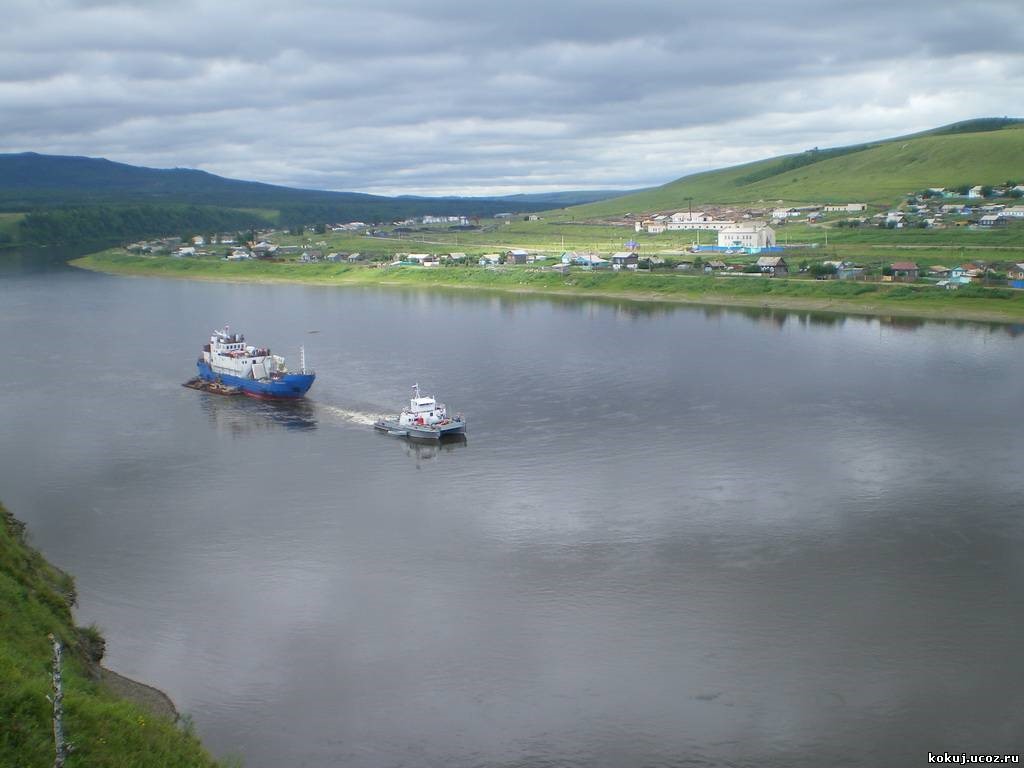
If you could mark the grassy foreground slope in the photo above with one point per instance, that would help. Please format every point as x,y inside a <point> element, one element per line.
<point>106,732</point>
<point>878,173</point>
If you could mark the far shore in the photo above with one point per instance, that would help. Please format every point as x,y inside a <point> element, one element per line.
<point>924,302</point>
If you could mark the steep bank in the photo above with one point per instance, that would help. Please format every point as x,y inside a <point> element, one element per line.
<point>879,299</point>
<point>105,728</point>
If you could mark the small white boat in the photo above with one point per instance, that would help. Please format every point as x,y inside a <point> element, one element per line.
<point>424,418</point>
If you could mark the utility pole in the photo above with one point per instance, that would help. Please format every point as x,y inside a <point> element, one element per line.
<point>61,747</point>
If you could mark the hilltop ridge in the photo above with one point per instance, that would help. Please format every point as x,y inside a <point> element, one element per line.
<point>982,151</point>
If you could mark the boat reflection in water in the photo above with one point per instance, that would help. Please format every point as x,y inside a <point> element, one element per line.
<point>428,450</point>
<point>242,415</point>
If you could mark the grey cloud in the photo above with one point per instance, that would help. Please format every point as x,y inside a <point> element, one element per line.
<point>455,97</point>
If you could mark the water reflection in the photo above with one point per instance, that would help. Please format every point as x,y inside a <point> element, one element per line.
<point>508,304</point>
<point>239,415</point>
<point>28,260</point>
<point>420,450</point>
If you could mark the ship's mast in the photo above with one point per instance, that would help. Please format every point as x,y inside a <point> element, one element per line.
<point>302,359</point>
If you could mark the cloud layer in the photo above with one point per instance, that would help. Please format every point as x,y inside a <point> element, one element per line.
<point>468,98</point>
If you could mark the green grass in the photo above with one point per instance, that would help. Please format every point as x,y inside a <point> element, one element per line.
<point>106,732</point>
<point>851,297</point>
<point>9,226</point>
<point>879,174</point>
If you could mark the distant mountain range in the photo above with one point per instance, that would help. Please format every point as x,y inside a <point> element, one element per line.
<point>30,181</point>
<point>983,151</point>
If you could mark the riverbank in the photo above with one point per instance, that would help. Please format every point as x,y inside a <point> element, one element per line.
<point>971,303</point>
<point>108,719</point>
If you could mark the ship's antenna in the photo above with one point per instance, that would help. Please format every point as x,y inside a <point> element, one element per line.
<point>416,390</point>
<point>302,359</point>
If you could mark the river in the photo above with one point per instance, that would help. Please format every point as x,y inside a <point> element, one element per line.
<point>674,536</point>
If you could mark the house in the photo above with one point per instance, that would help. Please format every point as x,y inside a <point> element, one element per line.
<point>1015,275</point>
<point>1015,212</point>
<point>904,271</point>
<point>516,256</point>
<point>198,240</point>
<point>185,251</point>
<point>773,266</point>
<point>784,213</point>
<point>237,254</point>
<point>263,249</point>
<point>715,265</point>
<point>752,236</point>
<point>685,220</point>
<point>962,275</point>
<point>937,270</point>
<point>624,260</point>
<point>975,192</point>
<point>992,220</point>
<point>952,208</point>
<point>845,208</point>
<point>655,228</point>
<point>849,271</point>
<point>489,260</point>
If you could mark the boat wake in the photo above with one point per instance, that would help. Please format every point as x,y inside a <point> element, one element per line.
<point>362,418</point>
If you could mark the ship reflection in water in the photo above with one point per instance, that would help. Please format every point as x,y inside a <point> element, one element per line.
<point>428,450</point>
<point>239,415</point>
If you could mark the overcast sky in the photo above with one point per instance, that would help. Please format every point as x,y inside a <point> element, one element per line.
<point>444,97</point>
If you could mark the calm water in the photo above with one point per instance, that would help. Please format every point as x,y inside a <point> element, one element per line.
<point>674,536</point>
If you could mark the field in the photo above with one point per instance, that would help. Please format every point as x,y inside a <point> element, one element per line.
<point>969,303</point>
<point>9,226</point>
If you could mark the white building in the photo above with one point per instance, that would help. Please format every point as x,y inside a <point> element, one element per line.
<point>687,220</point>
<point>845,208</point>
<point>975,192</point>
<point>1016,212</point>
<point>753,235</point>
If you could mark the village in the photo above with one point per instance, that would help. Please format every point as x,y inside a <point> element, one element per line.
<point>741,241</point>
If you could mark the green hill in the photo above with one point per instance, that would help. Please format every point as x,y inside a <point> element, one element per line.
<point>104,730</point>
<point>987,151</point>
<point>30,181</point>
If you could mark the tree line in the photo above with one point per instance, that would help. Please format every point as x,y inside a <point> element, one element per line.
<point>128,222</point>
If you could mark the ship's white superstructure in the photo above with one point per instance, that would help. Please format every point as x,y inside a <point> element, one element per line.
<point>423,410</point>
<point>227,353</point>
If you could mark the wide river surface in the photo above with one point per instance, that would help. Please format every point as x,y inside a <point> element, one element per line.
<point>674,536</point>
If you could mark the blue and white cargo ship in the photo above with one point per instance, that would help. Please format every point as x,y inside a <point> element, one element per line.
<point>229,365</point>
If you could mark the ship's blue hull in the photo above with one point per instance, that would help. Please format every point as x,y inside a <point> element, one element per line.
<point>288,387</point>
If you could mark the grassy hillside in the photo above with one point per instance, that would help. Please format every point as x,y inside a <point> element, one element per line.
<point>106,732</point>
<point>978,152</point>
